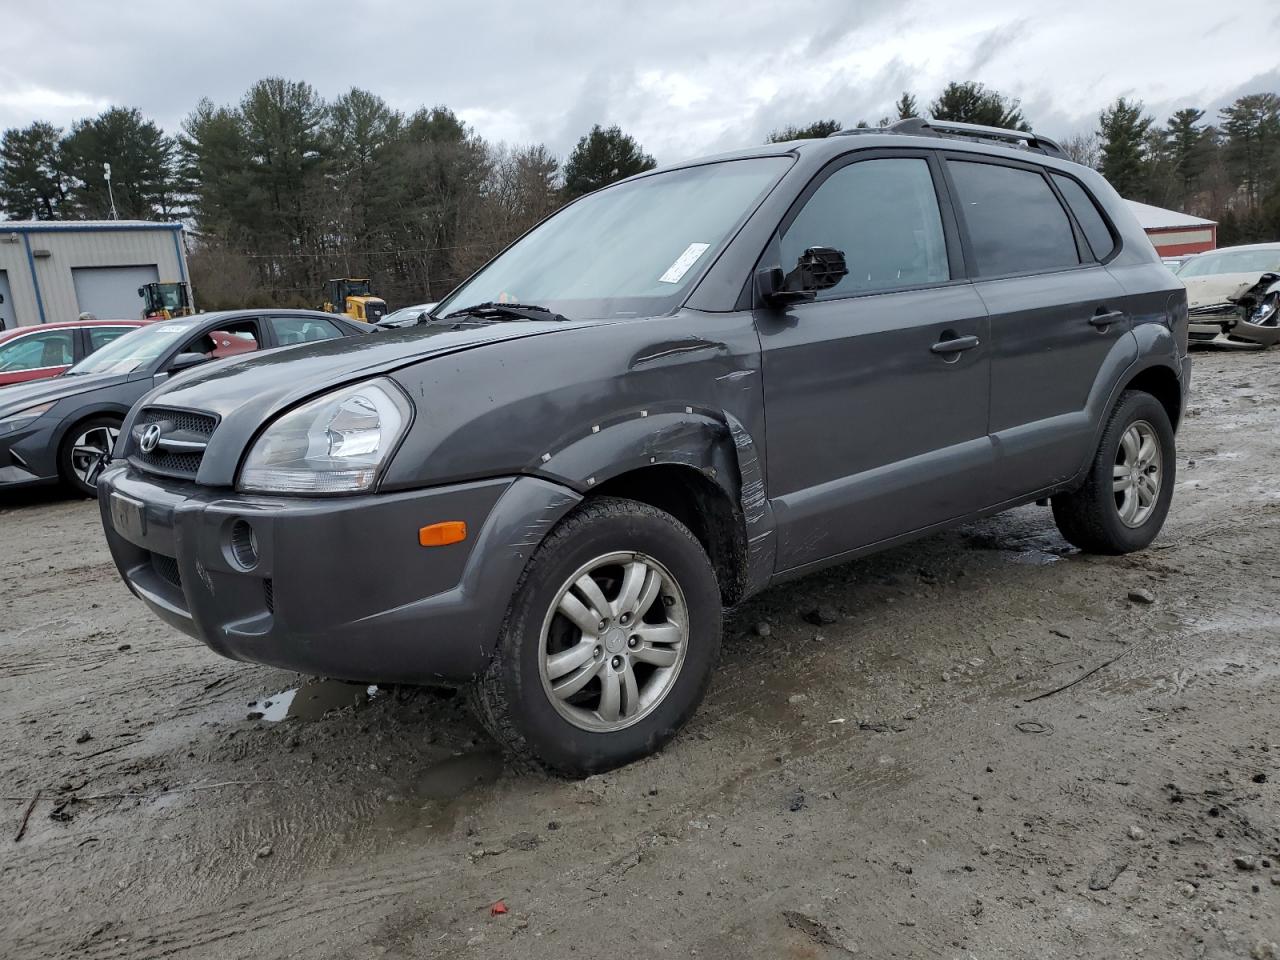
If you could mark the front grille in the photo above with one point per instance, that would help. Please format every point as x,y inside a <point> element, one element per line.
<point>166,568</point>
<point>177,425</point>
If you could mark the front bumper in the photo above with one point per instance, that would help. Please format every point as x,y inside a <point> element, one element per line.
<point>28,456</point>
<point>1231,329</point>
<point>340,586</point>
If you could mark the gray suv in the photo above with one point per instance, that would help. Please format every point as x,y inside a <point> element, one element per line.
<point>667,396</point>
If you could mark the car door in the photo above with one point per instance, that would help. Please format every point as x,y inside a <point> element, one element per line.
<point>1056,314</point>
<point>876,391</point>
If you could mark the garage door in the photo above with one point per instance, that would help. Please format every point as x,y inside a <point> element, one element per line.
<point>111,293</point>
<point>7,321</point>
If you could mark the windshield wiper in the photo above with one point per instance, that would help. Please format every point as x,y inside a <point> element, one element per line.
<point>491,310</point>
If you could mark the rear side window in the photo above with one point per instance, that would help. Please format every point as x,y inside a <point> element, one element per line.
<point>37,350</point>
<point>303,329</point>
<point>1085,208</point>
<point>99,337</point>
<point>1015,222</point>
<point>883,214</point>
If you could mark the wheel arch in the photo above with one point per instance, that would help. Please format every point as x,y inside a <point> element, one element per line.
<point>1162,383</point>
<point>701,466</point>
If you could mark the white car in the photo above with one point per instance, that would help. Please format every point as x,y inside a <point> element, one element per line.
<point>1234,293</point>
<point>405,316</point>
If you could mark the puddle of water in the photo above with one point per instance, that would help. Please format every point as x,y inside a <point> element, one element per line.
<point>1034,558</point>
<point>311,701</point>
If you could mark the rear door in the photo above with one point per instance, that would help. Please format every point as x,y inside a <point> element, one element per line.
<point>37,355</point>
<point>872,431</point>
<point>1056,314</point>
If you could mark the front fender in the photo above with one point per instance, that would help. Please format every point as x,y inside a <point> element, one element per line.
<point>712,442</point>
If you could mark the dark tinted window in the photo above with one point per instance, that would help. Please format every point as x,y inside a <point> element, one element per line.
<point>303,329</point>
<point>1087,215</point>
<point>883,214</point>
<point>1016,224</point>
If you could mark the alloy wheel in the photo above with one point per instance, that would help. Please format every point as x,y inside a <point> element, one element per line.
<point>1137,474</point>
<point>613,642</point>
<point>89,446</point>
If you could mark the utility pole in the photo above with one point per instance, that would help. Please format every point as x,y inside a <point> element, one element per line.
<point>106,172</point>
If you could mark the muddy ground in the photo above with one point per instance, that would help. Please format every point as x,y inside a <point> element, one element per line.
<point>885,785</point>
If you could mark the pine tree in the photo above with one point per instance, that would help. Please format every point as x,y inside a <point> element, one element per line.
<point>814,131</point>
<point>1122,128</point>
<point>142,160</point>
<point>602,157</point>
<point>32,184</point>
<point>906,106</point>
<point>971,102</point>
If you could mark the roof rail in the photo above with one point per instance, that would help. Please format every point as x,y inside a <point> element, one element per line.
<point>928,127</point>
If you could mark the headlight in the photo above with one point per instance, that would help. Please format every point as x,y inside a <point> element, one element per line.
<point>337,443</point>
<point>16,421</point>
<point>1265,313</point>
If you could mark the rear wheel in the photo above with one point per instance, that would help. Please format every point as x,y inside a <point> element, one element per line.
<point>609,643</point>
<point>83,446</point>
<point>1125,498</point>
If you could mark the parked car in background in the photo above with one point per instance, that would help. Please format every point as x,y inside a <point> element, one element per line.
<point>40,352</point>
<point>58,429</point>
<point>717,376</point>
<point>1233,294</point>
<point>405,316</point>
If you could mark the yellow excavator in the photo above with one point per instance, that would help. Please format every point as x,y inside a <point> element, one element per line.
<point>351,296</point>
<point>164,301</point>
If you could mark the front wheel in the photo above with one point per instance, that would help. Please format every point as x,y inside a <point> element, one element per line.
<point>609,642</point>
<point>1125,497</point>
<point>84,445</point>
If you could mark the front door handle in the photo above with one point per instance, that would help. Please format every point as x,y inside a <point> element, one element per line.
<point>955,344</point>
<point>1105,318</point>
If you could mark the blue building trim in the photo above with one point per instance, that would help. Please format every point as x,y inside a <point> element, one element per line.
<point>35,281</point>
<point>177,249</point>
<point>66,226</point>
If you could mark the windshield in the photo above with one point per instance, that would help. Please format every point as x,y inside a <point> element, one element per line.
<point>1231,261</point>
<point>133,351</point>
<point>628,250</point>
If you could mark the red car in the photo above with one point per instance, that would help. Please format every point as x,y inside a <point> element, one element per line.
<point>45,350</point>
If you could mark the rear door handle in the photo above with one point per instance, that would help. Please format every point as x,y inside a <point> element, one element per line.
<point>1106,318</point>
<point>955,345</point>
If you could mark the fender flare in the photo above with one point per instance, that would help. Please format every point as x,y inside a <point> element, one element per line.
<point>709,440</point>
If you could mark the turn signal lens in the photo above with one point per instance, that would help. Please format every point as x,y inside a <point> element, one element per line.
<point>442,534</point>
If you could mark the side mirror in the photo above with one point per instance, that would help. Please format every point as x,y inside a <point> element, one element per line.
<point>142,292</point>
<point>819,268</point>
<point>185,360</point>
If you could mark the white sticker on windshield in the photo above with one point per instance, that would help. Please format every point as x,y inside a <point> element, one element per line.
<point>174,329</point>
<point>683,262</point>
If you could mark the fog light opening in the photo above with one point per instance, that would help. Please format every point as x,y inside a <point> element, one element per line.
<point>244,545</point>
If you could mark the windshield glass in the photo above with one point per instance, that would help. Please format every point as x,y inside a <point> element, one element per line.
<point>628,250</point>
<point>133,351</point>
<point>1231,261</point>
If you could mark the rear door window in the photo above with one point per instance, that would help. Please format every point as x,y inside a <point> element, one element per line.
<point>99,337</point>
<point>883,215</point>
<point>1014,220</point>
<point>1087,214</point>
<point>290,330</point>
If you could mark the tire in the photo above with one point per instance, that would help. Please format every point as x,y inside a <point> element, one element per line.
<point>1098,517</point>
<point>581,733</point>
<point>72,455</point>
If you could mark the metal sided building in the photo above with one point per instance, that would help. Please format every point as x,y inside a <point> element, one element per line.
<point>55,270</point>
<point>1175,234</point>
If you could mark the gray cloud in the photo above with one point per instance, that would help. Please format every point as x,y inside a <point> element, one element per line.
<point>685,79</point>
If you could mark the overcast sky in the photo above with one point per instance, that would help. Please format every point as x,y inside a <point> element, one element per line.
<point>684,78</point>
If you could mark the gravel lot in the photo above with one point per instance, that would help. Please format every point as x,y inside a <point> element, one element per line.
<point>884,785</point>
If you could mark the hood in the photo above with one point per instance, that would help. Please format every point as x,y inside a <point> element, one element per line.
<point>1217,288</point>
<point>19,396</point>
<point>247,391</point>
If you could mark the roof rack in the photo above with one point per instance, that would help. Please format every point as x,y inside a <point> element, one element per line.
<point>928,127</point>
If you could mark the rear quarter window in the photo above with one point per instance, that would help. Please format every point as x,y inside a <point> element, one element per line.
<point>1101,241</point>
